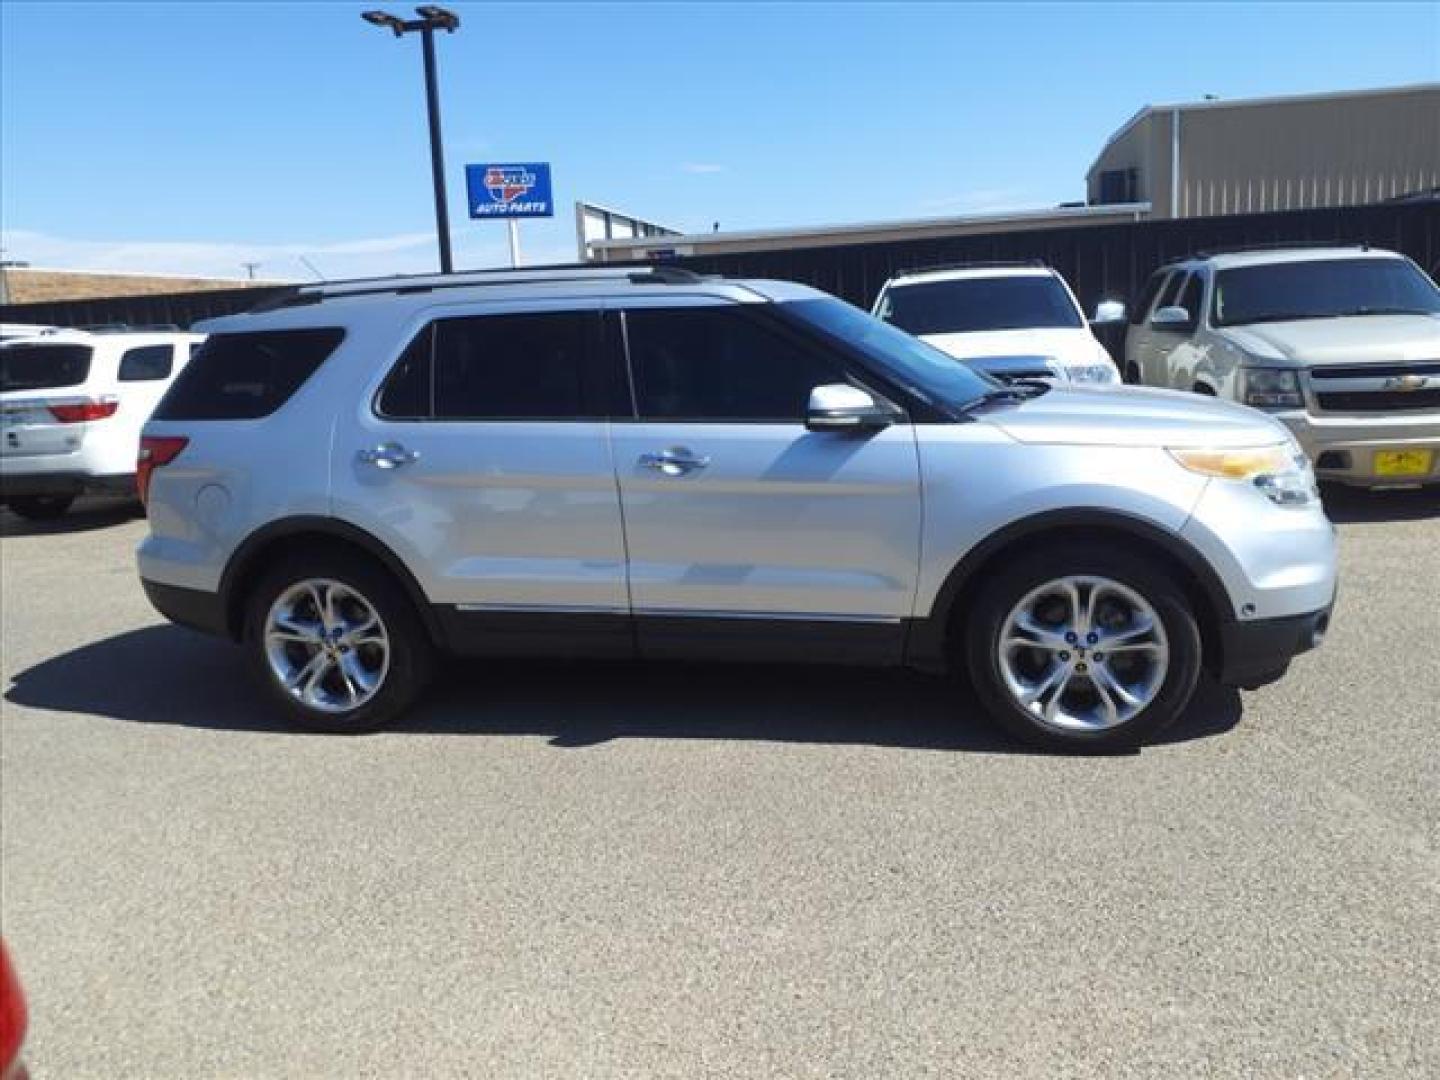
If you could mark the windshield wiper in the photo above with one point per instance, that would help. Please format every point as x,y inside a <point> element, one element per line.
<point>1380,311</point>
<point>1267,316</point>
<point>1018,390</point>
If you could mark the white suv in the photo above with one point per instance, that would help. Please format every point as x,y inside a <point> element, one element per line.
<point>72,404</point>
<point>1342,344</point>
<point>655,464</point>
<point>1008,320</point>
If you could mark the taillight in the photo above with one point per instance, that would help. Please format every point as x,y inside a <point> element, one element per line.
<point>77,412</point>
<point>155,451</point>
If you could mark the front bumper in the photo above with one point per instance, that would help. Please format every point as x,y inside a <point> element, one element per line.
<point>1259,651</point>
<point>1342,448</point>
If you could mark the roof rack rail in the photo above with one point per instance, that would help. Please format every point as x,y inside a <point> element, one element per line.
<point>302,295</point>
<point>979,264</point>
<point>662,274</point>
<point>1274,245</point>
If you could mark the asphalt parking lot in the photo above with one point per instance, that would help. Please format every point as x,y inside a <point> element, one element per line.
<point>588,871</point>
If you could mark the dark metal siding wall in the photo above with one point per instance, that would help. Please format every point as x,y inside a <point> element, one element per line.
<point>1099,261</point>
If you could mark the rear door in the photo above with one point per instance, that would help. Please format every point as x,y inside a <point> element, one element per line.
<point>747,533</point>
<point>483,459</point>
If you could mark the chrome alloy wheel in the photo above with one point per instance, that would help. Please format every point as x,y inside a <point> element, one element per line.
<point>326,645</point>
<point>1083,653</point>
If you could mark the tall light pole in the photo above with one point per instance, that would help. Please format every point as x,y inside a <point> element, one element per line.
<point>431,19</point>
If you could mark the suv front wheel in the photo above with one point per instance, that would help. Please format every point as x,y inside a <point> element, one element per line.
<point>1086,648</point>
<point>336,643</point>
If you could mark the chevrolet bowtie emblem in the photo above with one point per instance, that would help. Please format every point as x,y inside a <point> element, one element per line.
<point>1406,382</point>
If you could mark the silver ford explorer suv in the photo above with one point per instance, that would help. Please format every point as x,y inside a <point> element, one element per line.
<point>654,464</point>
<point>1342,344</point>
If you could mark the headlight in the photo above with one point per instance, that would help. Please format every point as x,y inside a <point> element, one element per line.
<point>1281,472</point>
<point>1272,388</point>
<point>1100,374</point>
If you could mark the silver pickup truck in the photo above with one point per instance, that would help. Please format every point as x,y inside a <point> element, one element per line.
<point>1342,344</point>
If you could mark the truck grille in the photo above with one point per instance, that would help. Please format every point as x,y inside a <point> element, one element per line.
<point>1379,401</point>
<point>1371,388</point>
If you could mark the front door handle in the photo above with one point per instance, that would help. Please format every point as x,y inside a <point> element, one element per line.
<point>677,461</point>
<point>390,455</point>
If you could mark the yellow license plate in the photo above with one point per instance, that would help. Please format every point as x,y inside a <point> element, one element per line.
<point>1403,462</point>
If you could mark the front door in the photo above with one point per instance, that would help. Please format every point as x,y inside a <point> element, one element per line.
<point>747,534</point>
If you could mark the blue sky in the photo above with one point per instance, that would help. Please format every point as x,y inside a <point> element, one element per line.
<point>192,137</point>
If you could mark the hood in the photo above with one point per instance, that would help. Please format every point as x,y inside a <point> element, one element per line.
<point>1132,416</point>
<point>1068,346</point>
<point>1380,339</point>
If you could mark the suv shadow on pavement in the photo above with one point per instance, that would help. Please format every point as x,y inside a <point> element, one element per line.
<point>162,674</point>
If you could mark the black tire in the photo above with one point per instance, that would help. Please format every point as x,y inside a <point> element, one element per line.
<point>1132,374</point>
<point>411,652</point>
<point>1033,570</point>
<point>41,507</point>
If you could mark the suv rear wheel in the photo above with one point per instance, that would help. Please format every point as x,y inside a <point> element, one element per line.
<point>1085,648</point>
<point>336,643</point>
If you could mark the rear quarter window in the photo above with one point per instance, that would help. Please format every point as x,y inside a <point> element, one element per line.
<point>148,363</point>
<point>245,376</point>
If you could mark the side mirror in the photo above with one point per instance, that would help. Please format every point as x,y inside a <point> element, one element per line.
<point>1108,311</point>
<point>1172,318</point>
<point>842,407</point>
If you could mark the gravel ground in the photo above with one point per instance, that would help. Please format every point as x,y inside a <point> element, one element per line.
<point>592,871</point>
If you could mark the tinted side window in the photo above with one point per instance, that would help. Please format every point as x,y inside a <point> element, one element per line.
<point>246,375</point>
<point>510,367</point>
<point>1147,297</point>
<point>406,393</point>
<point>717,363</point>
<point>147,363</point>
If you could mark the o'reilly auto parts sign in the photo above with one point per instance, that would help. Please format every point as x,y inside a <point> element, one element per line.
<point>509,190</point>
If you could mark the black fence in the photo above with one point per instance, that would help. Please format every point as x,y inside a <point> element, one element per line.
<point>1100,261</point>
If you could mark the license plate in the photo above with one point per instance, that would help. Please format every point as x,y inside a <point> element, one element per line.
<point>1403,462</point>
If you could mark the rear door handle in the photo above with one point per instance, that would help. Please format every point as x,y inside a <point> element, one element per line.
<point>388,455</point>
<point>677,461</point>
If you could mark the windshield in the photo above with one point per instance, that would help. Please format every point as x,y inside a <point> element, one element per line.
<point>928,373</point>
<point>968,305</point>
<point>1322,289</point>
<point>43,367</point>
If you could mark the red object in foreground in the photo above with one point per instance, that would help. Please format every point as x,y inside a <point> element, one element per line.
<point>12,1020</point>
<point>81,411</point>
<point>155,451</point>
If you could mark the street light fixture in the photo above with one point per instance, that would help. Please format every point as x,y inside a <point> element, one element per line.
<point>432,18</point>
